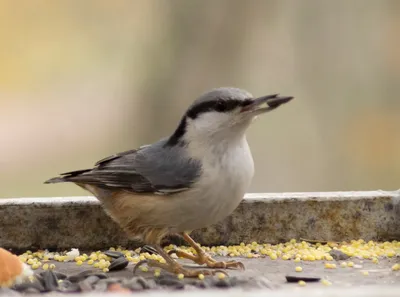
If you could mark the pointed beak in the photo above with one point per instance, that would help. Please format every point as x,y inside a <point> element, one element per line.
<point>271,102</point>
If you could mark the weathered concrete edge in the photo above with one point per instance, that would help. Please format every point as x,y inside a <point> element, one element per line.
<point>249,197</point>
<point>79,221</point>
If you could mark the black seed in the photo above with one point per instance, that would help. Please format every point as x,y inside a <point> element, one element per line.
<point>114,254</point>
<point>305,278</point>
<point>100,287</point>
<point>148,249</point>
<point>26,285</point>
<point>137,283</point>
<point>111,280</point>
<point>100,275</point>
<point>59,275</point>
<point>338,255</point>
<point>68,287</point>
<point>222,283</point>
<point>50,280</point>
<point>80,276</point>
<point>118,264</point>
<point>146,283</point>
<point>87,284</point>
<point>170,281</point>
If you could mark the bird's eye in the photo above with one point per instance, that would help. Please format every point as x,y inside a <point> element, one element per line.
<point>221,106</point>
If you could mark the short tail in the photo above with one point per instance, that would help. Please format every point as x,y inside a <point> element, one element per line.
<point>66,177</point>
<point>55,180</point>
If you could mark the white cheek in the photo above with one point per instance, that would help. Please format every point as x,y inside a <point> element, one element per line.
<point>207,122</point>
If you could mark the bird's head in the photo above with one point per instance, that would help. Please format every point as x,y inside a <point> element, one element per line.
<point>223,114</point>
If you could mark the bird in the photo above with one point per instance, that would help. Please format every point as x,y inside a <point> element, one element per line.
<point>189,180</point>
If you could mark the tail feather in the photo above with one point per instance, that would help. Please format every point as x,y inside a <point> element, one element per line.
<point>55,180</point>
<point>65,177</point>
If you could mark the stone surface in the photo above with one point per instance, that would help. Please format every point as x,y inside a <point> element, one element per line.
<point>268,275</point>
<point>61,223</point>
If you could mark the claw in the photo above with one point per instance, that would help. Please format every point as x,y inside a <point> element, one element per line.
<point>172,252</point>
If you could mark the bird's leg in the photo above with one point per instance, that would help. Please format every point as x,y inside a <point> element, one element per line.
<point>202,257</point>
<point>172,266</point>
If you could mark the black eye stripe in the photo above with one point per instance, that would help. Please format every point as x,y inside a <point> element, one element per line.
<point>216,105</point>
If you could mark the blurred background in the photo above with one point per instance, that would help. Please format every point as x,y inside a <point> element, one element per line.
<point>81,80</point>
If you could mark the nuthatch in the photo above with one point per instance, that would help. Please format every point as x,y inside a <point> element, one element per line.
<point>191,179</point>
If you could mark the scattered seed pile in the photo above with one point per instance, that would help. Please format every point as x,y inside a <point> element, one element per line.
<point>292,250</point>
<point>331,254</point>
<point>92,281</point>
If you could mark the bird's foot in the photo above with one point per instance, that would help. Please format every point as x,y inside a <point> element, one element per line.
<point>203,258</point>
<point>176,268</point>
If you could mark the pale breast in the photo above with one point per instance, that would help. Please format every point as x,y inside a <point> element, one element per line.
<point>225,179</point>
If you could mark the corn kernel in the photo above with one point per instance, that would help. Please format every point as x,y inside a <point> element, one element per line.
<point>325,282</point>
<point>329,258</point>
<point>143,268</point>
<point>90,262</point>
<point>52,266</point>
<point>35,266</point>
<point>157,273</point>
<point>45,266</point>
<point>105,269</point>
<point>330,265</point>
<point>365,273</point>
<point>201,276</point>
<point>180,276</point>
<point>396,267</point>
<point>221,275</point>
<point>375,260</point>
<point>311,258</point>
<point>302,283</point>
<point>273,256</point>
<point>343,264</point>
<point>79,263</point>
<point>350,264</point>
<point>298,269</point>
<point>297,260</point>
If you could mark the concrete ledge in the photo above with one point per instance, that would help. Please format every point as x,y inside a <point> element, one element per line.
<point>61,223</point>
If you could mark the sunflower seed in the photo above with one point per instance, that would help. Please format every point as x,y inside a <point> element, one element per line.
<point>67,286</point>
<point>26,285</point>
<point>170,281</point>
<point>59,275</point>
<point>338,255</point>
<point>87,284</point>
<point>114,254</point>
<point>80,276</point>
<point>305,278</point>
<point>50,280</point>
<point>100,287</point>
<point>222,283</point>
<point>148,249</point>
<point>118,264</point>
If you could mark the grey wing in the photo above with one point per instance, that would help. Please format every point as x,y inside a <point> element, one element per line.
<point>150,169</point>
